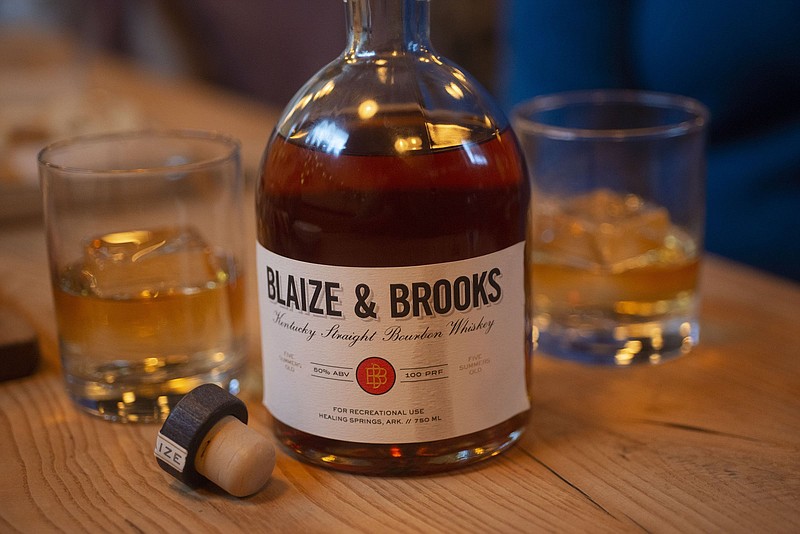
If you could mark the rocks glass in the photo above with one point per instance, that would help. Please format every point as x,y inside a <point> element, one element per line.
<point>617,217</point>
<point>145,240</point>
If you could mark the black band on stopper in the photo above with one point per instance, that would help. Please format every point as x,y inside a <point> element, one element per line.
<point>191,419</point>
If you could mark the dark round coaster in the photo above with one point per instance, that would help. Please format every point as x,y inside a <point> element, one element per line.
<point>19,348</point>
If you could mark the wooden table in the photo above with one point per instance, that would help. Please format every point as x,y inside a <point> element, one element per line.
<point>709,442</point>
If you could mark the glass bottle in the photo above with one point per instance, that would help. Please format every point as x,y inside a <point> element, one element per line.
<point>391,232</point>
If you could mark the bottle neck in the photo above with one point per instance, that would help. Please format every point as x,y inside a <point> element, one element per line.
<point>378,27</point>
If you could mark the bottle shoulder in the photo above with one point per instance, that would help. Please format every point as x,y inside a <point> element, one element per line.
<point>419,101</point>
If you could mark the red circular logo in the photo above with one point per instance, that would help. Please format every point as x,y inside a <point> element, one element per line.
<point>376,376</point>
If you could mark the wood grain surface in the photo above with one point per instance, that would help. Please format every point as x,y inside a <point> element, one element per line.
<point>709,442</point>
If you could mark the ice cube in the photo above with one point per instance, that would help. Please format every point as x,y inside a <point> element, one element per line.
<point>632,237</point>
<point>146,263</point>
<point>600,229</point>
<point>564,239</point>
<point>600,205</point>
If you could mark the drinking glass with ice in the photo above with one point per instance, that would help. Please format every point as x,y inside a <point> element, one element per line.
<point>616,223</point>
<point>145,245</point>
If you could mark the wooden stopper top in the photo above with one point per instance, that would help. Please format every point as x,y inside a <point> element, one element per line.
<point>206,437</point>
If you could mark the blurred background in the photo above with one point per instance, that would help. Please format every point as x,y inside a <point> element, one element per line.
<point>265,49</point>
<point>740,58</point>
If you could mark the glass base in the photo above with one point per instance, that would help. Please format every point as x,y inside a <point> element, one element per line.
<point>649,343</point>
<point>406,459</point>
<point>142,403</point>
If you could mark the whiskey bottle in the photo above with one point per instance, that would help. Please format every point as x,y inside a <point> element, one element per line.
<point>392,211</point>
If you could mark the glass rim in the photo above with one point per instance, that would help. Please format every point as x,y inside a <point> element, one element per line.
<point>697,112</point>
<point>43,158</point>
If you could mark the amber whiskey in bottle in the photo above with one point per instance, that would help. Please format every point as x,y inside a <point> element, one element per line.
<point>392,211</point>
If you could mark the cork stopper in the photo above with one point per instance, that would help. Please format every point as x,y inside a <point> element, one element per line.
<point>235,457</point>
<point>206,437</point>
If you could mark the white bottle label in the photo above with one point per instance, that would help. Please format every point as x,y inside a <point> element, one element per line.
<point>394,354</point>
